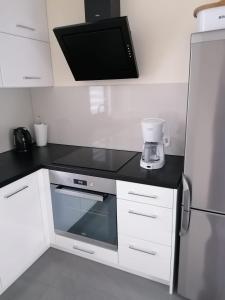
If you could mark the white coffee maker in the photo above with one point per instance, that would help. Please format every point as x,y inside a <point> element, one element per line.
<point>153,156</point>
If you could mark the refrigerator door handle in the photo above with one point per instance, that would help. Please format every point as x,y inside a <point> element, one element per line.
<point>186,196</point>
<point>186,207</point>
<point>185,221</point>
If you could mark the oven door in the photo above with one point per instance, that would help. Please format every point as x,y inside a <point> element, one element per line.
<point>85,215</point>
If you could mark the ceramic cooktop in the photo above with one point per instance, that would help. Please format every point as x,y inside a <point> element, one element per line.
<point>96,158</point>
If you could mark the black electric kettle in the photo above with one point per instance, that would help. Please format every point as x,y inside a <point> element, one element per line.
<point>22,139</point>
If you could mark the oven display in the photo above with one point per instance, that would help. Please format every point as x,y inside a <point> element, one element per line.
<point>80,182</point>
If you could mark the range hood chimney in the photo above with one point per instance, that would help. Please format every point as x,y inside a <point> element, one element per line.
<point>102,48</point>
<point>96,10</point>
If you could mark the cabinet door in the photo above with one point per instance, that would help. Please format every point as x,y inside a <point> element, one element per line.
<point>26,18</point>
<point>22,232</point>
<point>24,62</point>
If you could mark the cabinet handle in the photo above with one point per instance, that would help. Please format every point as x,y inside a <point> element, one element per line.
<point>143,195</point>
<point>79,194</point>
<point>132,212</point>
<point>153,253</point>
<point>83,250</point>
<point>31,77</point>
<point>16,192</point>
<point>25,27</point>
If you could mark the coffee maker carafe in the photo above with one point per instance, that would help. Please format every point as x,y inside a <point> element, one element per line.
<point>153,156</point>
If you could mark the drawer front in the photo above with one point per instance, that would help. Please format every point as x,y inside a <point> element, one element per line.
<point>86,250</point>
<point>24,62</point>
<point>146,222</point>
<point>145,194</point>
<point>27,18</point>
<point>145,258</point>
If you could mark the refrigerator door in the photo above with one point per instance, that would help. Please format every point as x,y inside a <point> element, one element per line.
<point>205,136</point>
<point>202,258</point>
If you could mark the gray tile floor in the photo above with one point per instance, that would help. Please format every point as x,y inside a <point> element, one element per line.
<point>61,276</point>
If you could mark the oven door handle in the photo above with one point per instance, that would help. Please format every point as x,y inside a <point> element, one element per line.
<point>79,194</point>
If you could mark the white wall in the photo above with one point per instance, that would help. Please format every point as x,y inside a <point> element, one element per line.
<point>110,116</point>
<point>15,111</point>
<point>161,33</point>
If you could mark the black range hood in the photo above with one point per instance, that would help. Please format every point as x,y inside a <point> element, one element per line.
<point>99,50</point>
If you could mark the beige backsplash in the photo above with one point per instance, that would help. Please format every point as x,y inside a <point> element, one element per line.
<point>110,116</point>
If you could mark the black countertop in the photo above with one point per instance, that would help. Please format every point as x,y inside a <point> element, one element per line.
<point>14,166</point>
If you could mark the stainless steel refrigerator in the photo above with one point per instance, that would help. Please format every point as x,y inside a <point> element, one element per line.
<point>202,244</point>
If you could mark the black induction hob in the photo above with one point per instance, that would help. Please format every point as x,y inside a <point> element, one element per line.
<point>96,158</point>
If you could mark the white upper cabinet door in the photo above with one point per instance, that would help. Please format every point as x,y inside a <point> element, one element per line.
<point>24,62</point>
<point>22,233</point>
<point>27,18</point>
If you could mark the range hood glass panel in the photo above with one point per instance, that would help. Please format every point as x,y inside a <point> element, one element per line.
<point>93,55</point>
<point>98,51</point>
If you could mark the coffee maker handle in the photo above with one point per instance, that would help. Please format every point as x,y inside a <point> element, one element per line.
<point>166,141</point>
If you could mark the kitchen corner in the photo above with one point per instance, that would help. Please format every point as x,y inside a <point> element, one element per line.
<point>112,150</point>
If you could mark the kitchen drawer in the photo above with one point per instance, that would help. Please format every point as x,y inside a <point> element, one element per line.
<point>146,222</point>
<point>144,257</point>
<point>24,62</point>
<point>145,194</point>
<point>27,18</point>
<point>86,250</point>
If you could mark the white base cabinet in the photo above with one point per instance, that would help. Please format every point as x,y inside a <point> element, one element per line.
<point>146,218</point>
<point>147,230</point>
<point>22,232</point>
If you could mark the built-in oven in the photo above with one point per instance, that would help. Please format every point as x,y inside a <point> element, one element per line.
<point>84,208</point>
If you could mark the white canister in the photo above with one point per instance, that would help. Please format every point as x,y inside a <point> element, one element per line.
<point>41,134</point>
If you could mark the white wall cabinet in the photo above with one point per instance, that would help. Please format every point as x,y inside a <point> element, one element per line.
<point>27,18</point>
<point>147,230</point>
<point>24,62</point>
<point>22,228</point>
<point>25,56</point>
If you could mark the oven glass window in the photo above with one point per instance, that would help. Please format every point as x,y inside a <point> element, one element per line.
<point>85,213</point>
